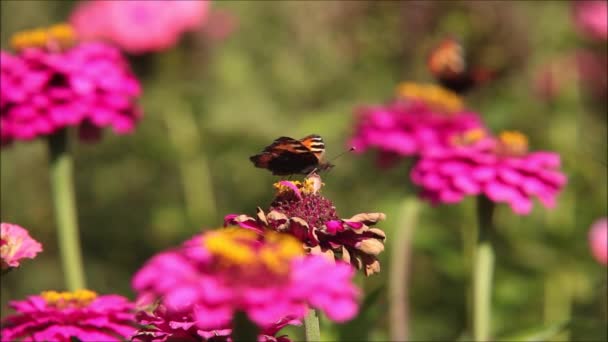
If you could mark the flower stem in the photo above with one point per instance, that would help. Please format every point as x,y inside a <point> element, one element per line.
<point>399,270</point>
<point>244,330</point>
<point>311,326</point>
<point>184,134</point>
<point>483,268</point>
<point>61,169</point>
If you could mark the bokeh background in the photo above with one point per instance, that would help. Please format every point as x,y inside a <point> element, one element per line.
<point>299,67</point>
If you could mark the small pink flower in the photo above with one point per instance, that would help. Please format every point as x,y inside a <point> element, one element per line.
<point>267,276</point>
<point>61,316</point>
<point>593,72</point>
<point>407,128</point>
<point>301,211</point>
<point>591,18</point>
<point>499,168</point>
<point>43,90</point>
<point>163,325</point>
<point>598,240</point>
<point>139,26</point>
<point>16,244</point>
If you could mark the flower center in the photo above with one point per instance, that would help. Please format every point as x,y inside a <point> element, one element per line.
<point>248,250</point>
<point>312,208</point>
<point>435,96</point>
<point>468,137</point>
<point>61,300</point>
<point>56,37</point>
<point>512,143</point>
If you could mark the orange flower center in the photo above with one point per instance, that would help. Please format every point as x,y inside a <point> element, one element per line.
<point>248,250</point>
<point>512,143</point>
<point>61,300</point>
<point>435,96</point>
<point>56,37</point>
<point>468,137</point>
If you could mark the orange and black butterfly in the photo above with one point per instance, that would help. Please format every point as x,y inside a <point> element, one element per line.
<point>449,64</point>
<point>287,156</point>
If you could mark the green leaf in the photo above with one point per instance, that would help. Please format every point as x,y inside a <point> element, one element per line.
<point>538,334</point>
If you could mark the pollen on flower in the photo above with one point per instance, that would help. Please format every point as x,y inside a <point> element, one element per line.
<point>233,246</point>
<point>283,187</point>
<point>512,143</point>
<point>56,36</point>
<point>435,96</point>
<point>468,137</point>
<point>78,298</point>
<point>279,250</point>
<point>237,247</point>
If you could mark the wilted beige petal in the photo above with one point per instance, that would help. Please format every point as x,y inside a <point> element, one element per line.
<point>279,220</point>
<point>262,216</point>
<point>373,267</point>
<point>345,254</point>
<point>378,232</point>
<point>370,246</point>
<point>368,218</point>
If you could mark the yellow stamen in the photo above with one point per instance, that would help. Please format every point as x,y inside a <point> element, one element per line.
<point>281,188</point>
<point>512,143</point>
<point>435,96</point>
<point>78,298</point>
<point>237,247</point>
<point>58,36</point>
<point>468,137</point>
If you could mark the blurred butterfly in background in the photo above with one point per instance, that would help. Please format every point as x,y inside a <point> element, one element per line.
<point>287,156</point>
<point>449,64</point>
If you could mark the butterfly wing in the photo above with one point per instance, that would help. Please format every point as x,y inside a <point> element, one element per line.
<point>286,156</point>
<point>314,143</point>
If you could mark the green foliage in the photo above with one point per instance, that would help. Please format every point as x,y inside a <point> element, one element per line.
<point>299,67</point>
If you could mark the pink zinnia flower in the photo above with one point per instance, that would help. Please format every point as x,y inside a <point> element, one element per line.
<point>16,244</point>
<point>500,168</point>
<point>593,72</point>
<point>598,240</point>
<point>423,118</point>
<point>47,86</point>
<point>163,325</point>
<point>299,209</point>
<point>61,316</point>
<point>591,17</point>
<point>267,276</point>
<point>139,26</point>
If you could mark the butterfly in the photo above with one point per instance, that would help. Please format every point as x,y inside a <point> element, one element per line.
<point>449,64</point>
<point>287,156</point>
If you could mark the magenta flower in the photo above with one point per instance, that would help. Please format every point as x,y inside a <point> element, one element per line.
<point>16,244</point>
<point>267,276</point>
<point>300,210</point>
<point>61,316</point>
<point>44,90</point>
<point>407,128</point>
<point>139,26</point>
<point>499,168</point>
<point>591,18</point>
<point>598,240</point>
<point>163,325</point>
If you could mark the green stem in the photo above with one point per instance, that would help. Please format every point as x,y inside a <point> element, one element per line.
<point>311,326</point>
<point>483,268</point>
<point>399,270</point>
<point>185,137</point>
<point>243,329</point>
<point>61,169</point>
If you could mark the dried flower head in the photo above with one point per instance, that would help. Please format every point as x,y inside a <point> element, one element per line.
<point>299,209</point>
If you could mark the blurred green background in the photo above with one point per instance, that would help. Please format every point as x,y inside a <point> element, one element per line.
<point>299,67</point>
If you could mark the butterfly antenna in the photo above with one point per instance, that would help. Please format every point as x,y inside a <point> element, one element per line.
<point>352,148</point>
